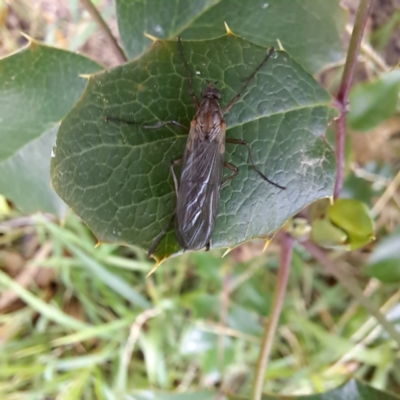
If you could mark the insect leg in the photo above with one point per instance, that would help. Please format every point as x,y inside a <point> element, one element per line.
<point>192,94</point>
<point>230,177</point>
<point>159,124</point>
<point>171,167</point>
<point>160,236</point>
<point>164,231</point>
<point>242,142</point>
<point>249,79</point>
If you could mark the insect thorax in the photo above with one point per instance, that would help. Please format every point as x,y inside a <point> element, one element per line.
<point>209,119</point>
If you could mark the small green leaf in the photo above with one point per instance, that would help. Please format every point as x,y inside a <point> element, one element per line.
<point>381,35</point>
<point>384,263</point>
<point>359,189</point>
<point>299,228</point>
<point>373,102</point>
<point>157,395</point>
<point>38,86</point>
<point>352,216</point>
<point>345,225</point>
<point>352,390</point>
<point>325,234</point>
<point>115,175</point>
<point>304,27</point>
<point>5,209</point>
<point>318,209</point>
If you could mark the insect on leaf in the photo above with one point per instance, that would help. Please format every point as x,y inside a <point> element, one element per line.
<point>116,176</point>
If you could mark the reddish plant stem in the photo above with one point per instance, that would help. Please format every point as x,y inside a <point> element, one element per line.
<point>94,13</point>
<point>273,319</point>
<point>341,99</point>
<point>340,140</point>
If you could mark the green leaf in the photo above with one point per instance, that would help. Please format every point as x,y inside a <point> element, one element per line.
<point>353,217</point>
<point>381,35</point>
<point>352,390</point>
<point>384,263</point>
<point>345,225</point>
<point>148,395</point>
<point>38,86</point>
<point>116,177</point>
<point>359,189</point>
<point>298,228</point>
<point>304,27</point>
<point>325,234</point>
<point>373,102</point>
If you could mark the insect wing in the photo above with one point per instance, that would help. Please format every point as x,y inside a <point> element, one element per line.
<point>199,190</point>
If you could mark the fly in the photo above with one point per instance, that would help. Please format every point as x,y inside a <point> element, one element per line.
<point>202,163</point>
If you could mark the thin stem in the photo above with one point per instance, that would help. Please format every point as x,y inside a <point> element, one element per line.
<point>134,333</point>
<point>223,316</point>
<point>272,324</point>
<point>370,53</point>
<point>366,333</point>
<point>25,277</point>
<point>341,99</point>
<point>94,13</point>
<point>351,285</point>
<point>387,195</point>
<point>340,141</point>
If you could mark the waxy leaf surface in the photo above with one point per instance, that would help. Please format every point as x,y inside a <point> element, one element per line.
<point>309,30</point>
<point>351,390</point>
<point>38,86</point>
<point>116,175</point>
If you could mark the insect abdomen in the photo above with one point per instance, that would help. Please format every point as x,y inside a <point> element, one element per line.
<point>196,213</point>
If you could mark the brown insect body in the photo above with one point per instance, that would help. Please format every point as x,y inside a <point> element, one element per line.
<point>202,166</point>
<point>201,176</point>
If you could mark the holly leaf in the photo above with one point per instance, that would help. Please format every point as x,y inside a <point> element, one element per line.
<point>38,86</point>
<point>351,390</point>
<point>304,27</point>
<point>374,102</point>
<point>115,175</point>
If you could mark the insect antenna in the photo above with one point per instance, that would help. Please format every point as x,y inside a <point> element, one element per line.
<point>192,94</point>
<point>249,79</point>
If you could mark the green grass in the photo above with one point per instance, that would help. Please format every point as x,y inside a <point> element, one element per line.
<point>195,324</point>
<point>88,323</point>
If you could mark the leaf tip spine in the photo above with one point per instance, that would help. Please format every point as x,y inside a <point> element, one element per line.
<point>31,41</point>
<point>280,44</point>
<point>156,265</point>
<point>267,242</point>
<point>151,37</point>
<point>228,30</point>
<point>227,251</point>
